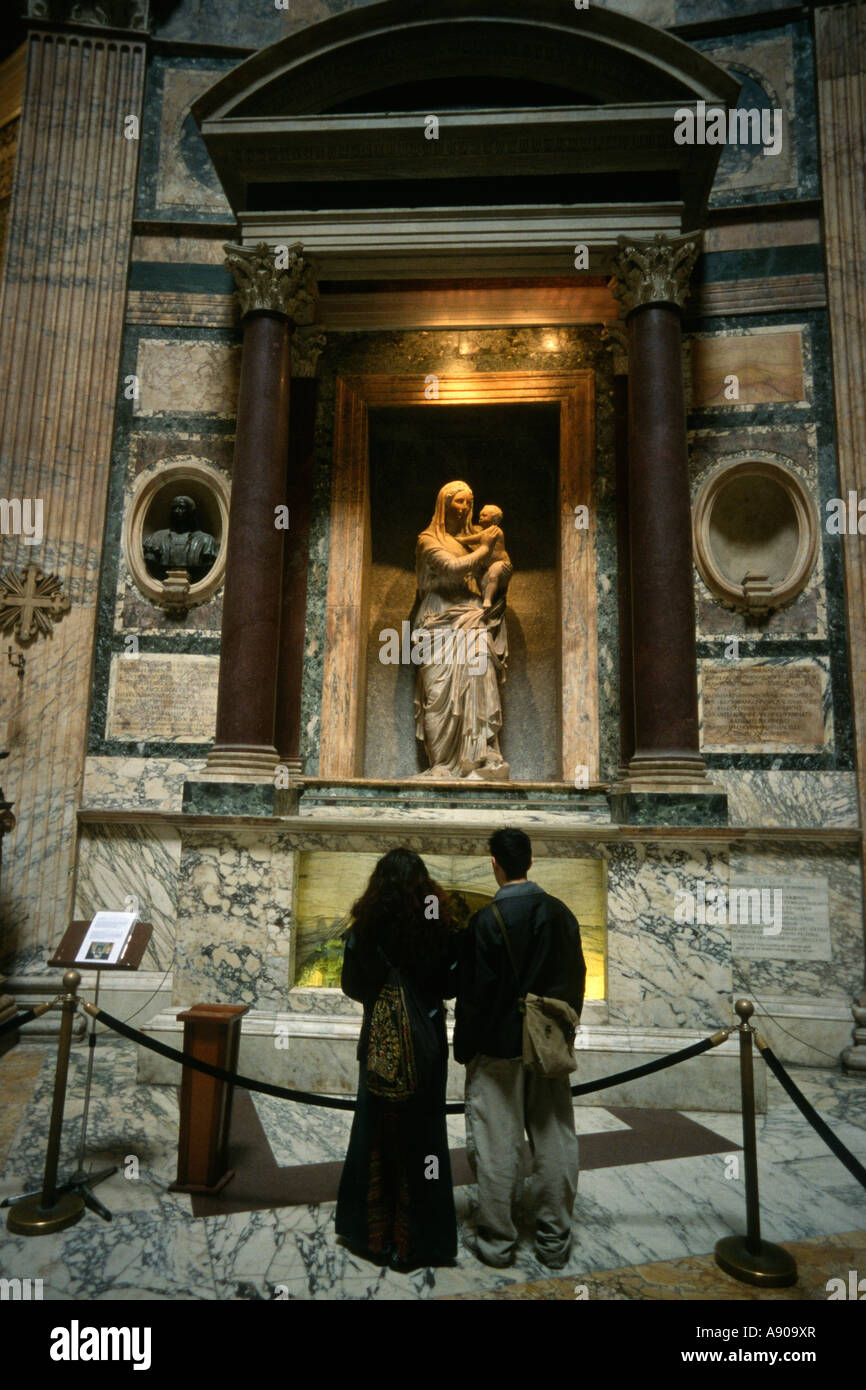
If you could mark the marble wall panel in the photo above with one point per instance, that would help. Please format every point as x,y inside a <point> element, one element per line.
<point>186,179</point>
<point>768,365</point>
<point>775,69</point>
<point>747,236</point>
<point>200,21</point>
<point>663,973</point>
<point>228,928</point>
<point>770,798</point>
<point>179,249</point>
<point>178,378</point>
<point>235,904</point>
<point>125,783</point>
<point>765,66</point>
<point>176,177</point>
<point>119,861</point>
<point>838,978</point>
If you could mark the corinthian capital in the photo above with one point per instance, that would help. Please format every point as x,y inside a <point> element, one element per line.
<point>277,278</point>
<point>307,347</point>
<point>654,272</point>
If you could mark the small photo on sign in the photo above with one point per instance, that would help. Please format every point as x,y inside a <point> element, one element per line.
<point>106,938</point>
<point>98,950</point>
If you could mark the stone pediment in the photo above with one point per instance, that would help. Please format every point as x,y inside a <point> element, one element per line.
<point>536,105</point>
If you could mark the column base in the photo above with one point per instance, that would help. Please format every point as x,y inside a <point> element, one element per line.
<point>244,781</point>
<point>293,767</point>
<point>685,773</point>
<point>244,762</point>
<point>667,791</point>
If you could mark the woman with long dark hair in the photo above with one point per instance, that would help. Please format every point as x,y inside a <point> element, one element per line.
<point>396,1201</point>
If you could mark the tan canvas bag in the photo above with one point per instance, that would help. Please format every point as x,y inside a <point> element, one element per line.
<point>549,1026</point>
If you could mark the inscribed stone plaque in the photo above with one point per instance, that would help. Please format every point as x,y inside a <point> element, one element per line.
<point>762,707</point>
<point>165,697</point>
<point>780,918</point>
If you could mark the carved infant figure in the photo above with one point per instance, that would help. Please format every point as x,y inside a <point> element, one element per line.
<point>494,580</point>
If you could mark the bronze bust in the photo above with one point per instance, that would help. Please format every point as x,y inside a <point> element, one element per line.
<point>182,546</point>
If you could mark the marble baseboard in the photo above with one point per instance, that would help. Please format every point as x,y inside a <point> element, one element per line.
<point>213,798</point>
<point>635,807</point>
<point>316,1052</point>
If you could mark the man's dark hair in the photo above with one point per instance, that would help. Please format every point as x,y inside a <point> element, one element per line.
<point>512,851</point>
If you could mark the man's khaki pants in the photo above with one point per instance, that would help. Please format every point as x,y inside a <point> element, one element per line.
<point>504,1099</point>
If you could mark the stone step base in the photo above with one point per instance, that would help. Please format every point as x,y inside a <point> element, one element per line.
<point>316,1052</point>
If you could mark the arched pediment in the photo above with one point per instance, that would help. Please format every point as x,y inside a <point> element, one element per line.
<point>592,57</point>
<point>540,106</point>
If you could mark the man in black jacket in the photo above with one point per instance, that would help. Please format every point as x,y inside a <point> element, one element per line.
<point>503,1098</point>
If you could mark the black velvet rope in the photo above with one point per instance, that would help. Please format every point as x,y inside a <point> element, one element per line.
<point>17,1021</point>
<point>854,1166</point>
<point>633,1073</point>
<point>187,1060</point>
<point>333,1103</point>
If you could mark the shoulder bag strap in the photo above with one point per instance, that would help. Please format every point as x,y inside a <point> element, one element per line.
<point>498,915</point>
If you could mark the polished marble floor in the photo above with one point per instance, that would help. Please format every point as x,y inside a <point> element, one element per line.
<point>658,1216</point>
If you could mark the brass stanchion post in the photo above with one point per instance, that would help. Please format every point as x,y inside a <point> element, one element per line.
<point>52,1210</point>
<point>749,1258</point>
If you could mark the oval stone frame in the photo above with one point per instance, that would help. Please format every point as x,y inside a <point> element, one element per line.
<point>210,490</point>
<point>797,498</point>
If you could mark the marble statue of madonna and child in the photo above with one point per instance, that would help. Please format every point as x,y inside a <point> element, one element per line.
<point>463,571</point>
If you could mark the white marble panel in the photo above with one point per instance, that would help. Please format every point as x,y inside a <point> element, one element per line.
<point>137,860</point>
<point>663,973</point>
<point>769,798</point>
<point>152,784</point>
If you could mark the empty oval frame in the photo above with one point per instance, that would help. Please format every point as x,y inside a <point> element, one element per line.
<point>755,535</point>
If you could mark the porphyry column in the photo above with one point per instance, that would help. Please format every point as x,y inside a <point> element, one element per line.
<point>276,289</point>
<point>307,346</point>
<point>651,282</point>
